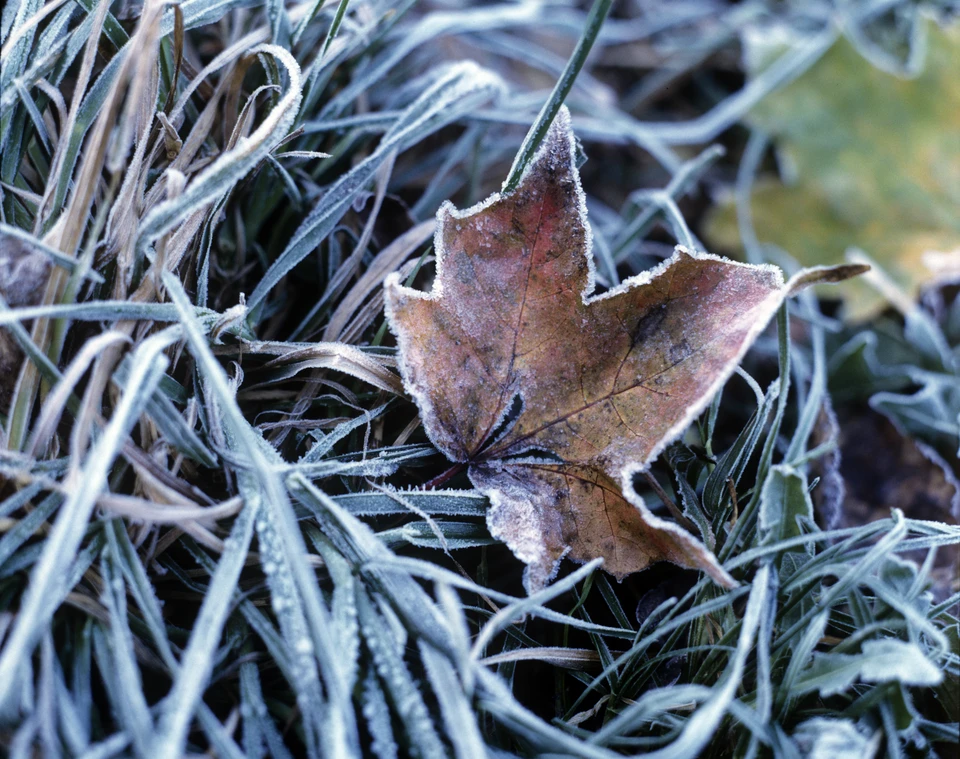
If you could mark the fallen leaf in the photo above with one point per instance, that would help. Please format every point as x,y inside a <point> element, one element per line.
<point>554,396</point>
<point>831,490</point>
<point>876,159</point>
<point>23,275</point>
<point>883,470</point>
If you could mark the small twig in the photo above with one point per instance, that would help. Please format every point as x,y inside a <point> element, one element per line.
<point>733,498</point>
<point>669,502</point>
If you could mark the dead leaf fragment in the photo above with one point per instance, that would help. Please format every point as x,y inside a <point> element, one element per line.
<point>23,275</point>
<point>883,469</point>
<point>556,397</point>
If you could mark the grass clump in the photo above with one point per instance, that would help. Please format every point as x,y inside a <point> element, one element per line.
<point>211,536</point>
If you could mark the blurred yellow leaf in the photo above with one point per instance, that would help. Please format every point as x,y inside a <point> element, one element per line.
<point>877,164</point>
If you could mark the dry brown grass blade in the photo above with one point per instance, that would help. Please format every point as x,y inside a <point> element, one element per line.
<point>571,658</point>
<point>368,312</point>
<point>348,270</point>
<point>342,358</point>
<point>386,261</point>
<point>138,117</point>
<point>56,401</point>
<point>67,233</point>
<point>91,406</point>
<point>241,128</point>
<point>148,510</point>
<point>22,30</point>
<point>83,80</point>
<point>56,97</point>
<point>27,385</point>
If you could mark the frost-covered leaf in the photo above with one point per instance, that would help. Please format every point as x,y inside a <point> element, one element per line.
<point>885,660</point>
<point>825,738</point>
<point>877,164</point>
<point>785,506</point>
<point>890,659</point>
<point>554,396</point>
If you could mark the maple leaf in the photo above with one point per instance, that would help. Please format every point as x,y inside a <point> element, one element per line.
<point>602,382</point>
<point>876,159</point>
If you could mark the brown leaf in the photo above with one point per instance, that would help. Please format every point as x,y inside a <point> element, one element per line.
<point>23,272</point>
<point>603,382</point>
<point>882,470</point>
<point>23,275</point>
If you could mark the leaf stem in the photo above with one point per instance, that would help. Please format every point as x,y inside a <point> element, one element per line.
<point>669,502</point>
<point>443,477</point>
<point>531,143</point>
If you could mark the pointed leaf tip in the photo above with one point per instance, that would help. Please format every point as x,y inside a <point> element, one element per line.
<point>824,275</point>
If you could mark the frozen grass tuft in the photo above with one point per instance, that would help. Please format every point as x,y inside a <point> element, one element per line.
<point>212,537</point>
